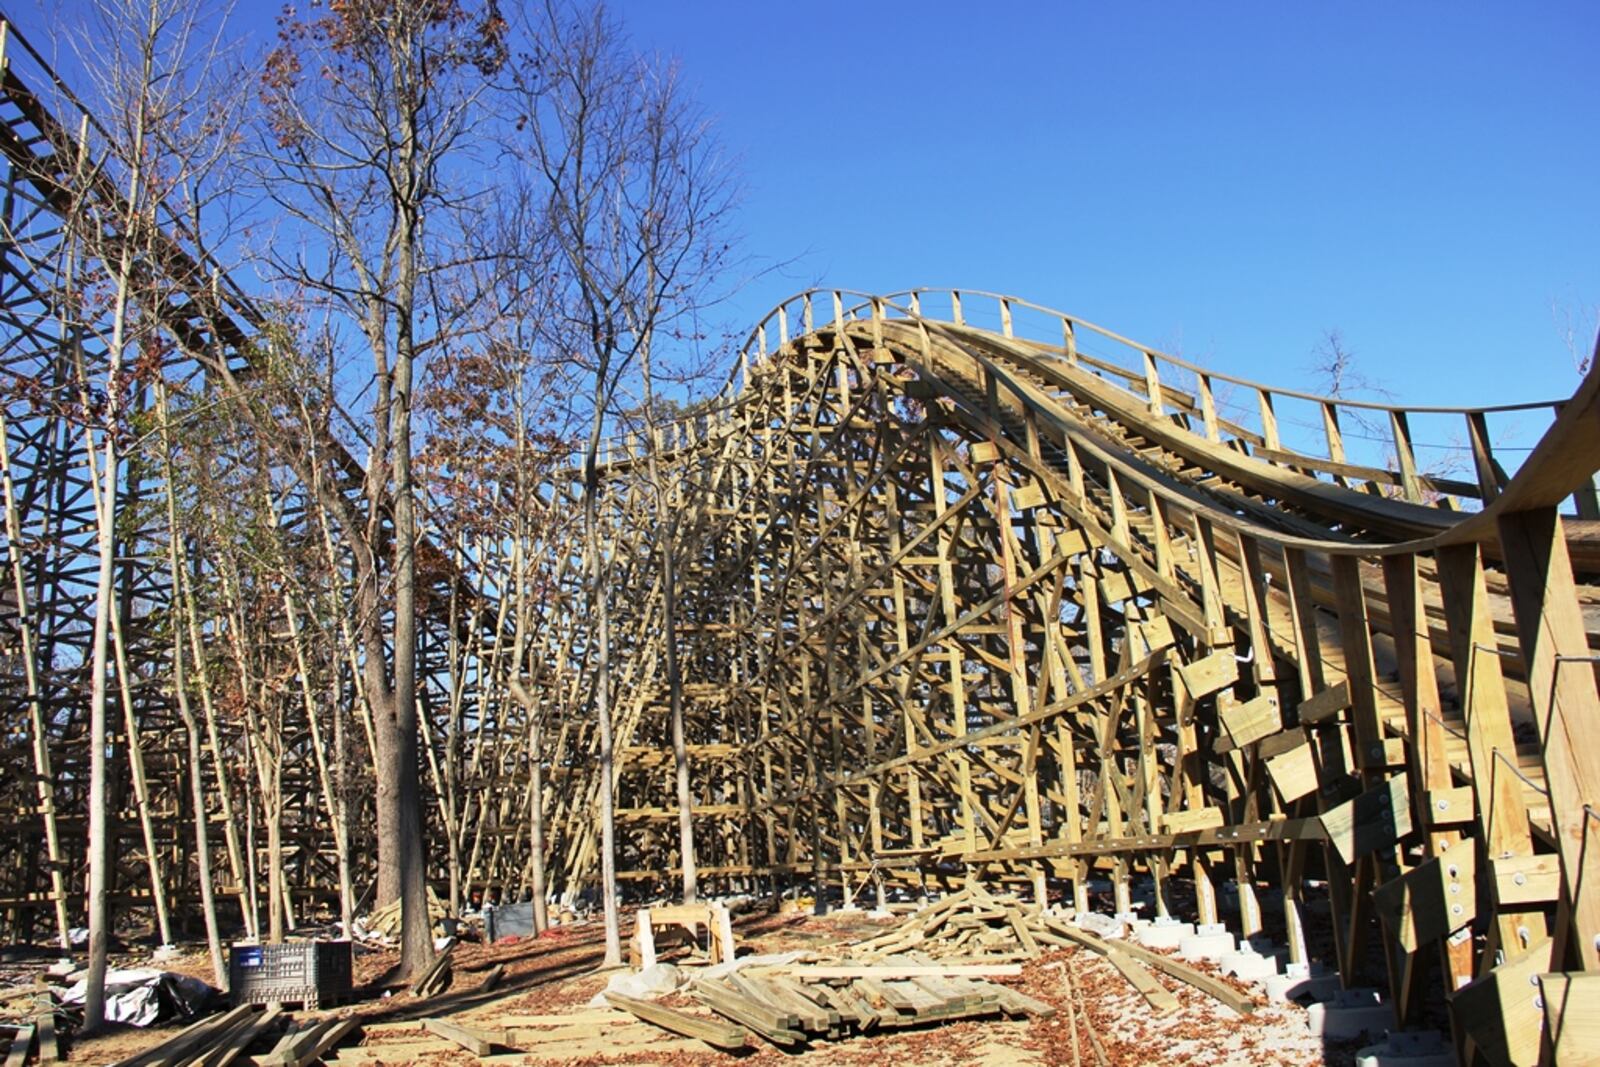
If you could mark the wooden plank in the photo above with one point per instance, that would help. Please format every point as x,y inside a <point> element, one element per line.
<point>723,948</point>
<point>49,1045</point>
<point>1355,637</point>
<point>1378,818</point>
<point>849,1009</point>
<point>880,992</point>
<point>982,452</point>
<point>778,991</point>
<point>721,1035</point>
<point>1523,880</point>
<point>1454,806</point>
<point>492,978</point>
<point>1027,496</point>
<point>1250,721</point>
<point>642,946</point>
<point>894,973</point>
<point>758,1017</point>
<point>1223,992</point>
<point>732,987</point>
<point>1018,1005</point>
<point>228,1046</point>
<point>21,1045</point>
<point>1502,1010</point>
<point>1325,704</point>
<point>1571,1017</point>
<point>477,1040</point>
<point>428,982</point>
<point>183,1044</point>
<point>1148,638</point>
<point>1561,683</point>
<point>1024,935</point>
<point>336,1031</point>
<point>307,1042</point>
<point>1179,822</point>
<point>1433,899</point>
<point>1205,676</point>
<point>1503,826</point>
<point>1158,996</point>
<point>1293,770</point>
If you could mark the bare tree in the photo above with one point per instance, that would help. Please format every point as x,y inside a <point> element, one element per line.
<point>150,63</point>
<point>636,199</point>
<point>1576,322</point>
<point>369,110</point>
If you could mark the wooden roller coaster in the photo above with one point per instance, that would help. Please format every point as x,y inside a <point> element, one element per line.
<point>965,589</point>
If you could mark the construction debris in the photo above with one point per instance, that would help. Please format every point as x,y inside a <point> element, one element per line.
<point>437,976</point>
<point>977,929</point>
<point>383,924</point>
<point>479,1041</point>
<point>214,1041</point>
<point>142,996</point>
<point>710,1031</point>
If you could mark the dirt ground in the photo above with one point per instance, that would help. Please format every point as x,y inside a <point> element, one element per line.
<point>549,981</point>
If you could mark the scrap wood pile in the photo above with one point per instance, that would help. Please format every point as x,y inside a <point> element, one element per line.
<point>384,923</point>
<point>933,968</point>
<point>219,1040</point>
<point>974,926</point>
<point>792,1005</point>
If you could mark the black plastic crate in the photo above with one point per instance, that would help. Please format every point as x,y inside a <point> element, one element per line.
<point>312,973</point>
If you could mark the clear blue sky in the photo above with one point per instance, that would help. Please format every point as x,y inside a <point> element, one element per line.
<point>1229,178</point>
<point>1226,179</point>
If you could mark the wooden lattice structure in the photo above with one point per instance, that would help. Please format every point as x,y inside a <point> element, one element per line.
<point>966,588</point>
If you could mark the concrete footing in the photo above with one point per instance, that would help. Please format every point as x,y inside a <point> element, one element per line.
<point>1208,942</point>
<point>1303,981</point>
<point>1352,1013</point>
<point>1411,1048</point>
<point>1250,964</point>
<point>1100,925</point>
<point>1163,935</point>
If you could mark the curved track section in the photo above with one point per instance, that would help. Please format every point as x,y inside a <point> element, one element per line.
<point>956,603</point>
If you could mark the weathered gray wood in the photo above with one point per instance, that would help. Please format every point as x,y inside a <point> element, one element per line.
<point>21,1046</point>
<point>480,1041</point>
<point>710,1031</point>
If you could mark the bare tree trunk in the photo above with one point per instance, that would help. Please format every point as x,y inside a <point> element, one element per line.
<point>416,935</point>
<point>600,601</point>
<point>94,1005</point>
<point>541,914</point>
<point>191,726</point>
<point>667,521</point>
<point>541,906</point>
<point>680,750</point>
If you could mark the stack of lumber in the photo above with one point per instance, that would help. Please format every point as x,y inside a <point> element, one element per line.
<point>975,927</point>
<point>788,1006</point>
<point>385,921</point>
<point>971,926</point>
<point>933,968</point>
<point>214,1041</point>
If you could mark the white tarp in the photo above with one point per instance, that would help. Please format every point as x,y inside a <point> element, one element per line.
<point>134,996</point>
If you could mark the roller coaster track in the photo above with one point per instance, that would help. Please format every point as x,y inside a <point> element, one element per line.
<point>958,600</point>
<point>966,588</point>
